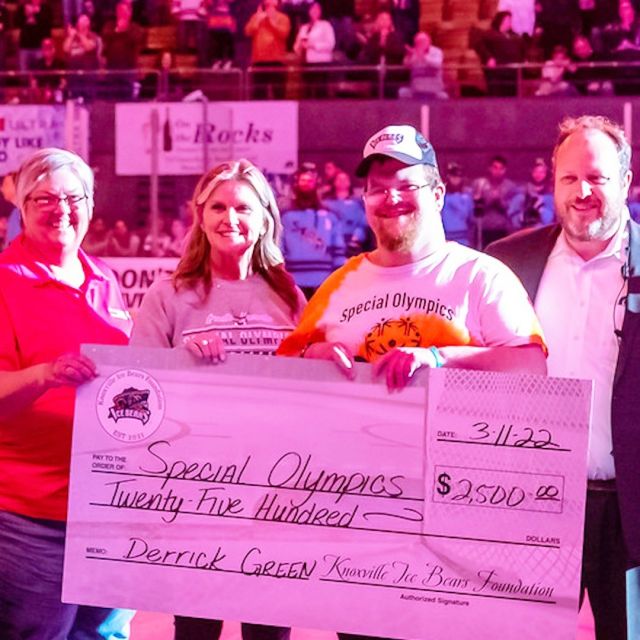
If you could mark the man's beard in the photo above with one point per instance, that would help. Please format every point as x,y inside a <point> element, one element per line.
<point>602,228</point>
<point>400,240</point>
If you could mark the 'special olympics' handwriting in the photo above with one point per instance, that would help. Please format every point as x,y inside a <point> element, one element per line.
<point>291,470</point>
<point>202,471</point>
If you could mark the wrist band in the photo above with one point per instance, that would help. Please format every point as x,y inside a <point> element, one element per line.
<point>437,356</point>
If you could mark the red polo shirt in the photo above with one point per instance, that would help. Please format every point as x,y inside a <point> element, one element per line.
<point>40,319</point>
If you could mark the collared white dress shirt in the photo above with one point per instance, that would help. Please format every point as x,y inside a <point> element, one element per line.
<point>580,305</point>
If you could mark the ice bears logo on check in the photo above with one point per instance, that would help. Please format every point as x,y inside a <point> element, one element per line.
<point>130,405</point>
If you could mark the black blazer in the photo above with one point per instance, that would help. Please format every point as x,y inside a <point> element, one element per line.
<point>526,253</point>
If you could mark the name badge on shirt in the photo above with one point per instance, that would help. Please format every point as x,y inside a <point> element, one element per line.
<point>120,314</point>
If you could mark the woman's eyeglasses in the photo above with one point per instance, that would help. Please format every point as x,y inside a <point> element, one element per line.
<point>49,202</point>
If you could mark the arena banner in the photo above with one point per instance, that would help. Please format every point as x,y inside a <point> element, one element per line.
<point>266,134</point>
<point>27,128</point>
<point>136,275</point>
<point>272,490</point>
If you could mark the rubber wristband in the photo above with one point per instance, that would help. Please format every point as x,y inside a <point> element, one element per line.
<point>437,356</point>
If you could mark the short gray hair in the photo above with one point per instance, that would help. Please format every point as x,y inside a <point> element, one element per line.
<point>43,163</point>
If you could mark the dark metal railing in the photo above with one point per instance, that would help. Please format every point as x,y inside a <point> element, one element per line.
<point>319,82</point>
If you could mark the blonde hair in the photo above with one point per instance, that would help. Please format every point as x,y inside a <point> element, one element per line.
<point>194,268</point>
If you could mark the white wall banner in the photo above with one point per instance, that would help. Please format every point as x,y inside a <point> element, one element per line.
<point>136,275</point>
<point>27,128</point>
<point>265,133</point>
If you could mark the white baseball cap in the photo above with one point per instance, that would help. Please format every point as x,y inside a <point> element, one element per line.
<point>400,141</point>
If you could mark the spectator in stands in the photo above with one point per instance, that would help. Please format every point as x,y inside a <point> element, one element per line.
<point>587,81</point>
<point>457,211</point>
<point>314,45</point>
<point>122,242</point>
<point>169,83</point>
<point>14,220</point>
<point>52,86</point>
<point>96,242</point>
<point>533,207</point>
<point>297,11</point>
<point>139,10</point>
<point>385,46</point>
<point>191,28</point>
<point>178,238</point>
<point>161,242</point>
<point>406,17</point>
<point>500,45</point>
<point>493,196</point>
<point>313,241</point>
<point>5,35</point>
<point>281,184</point>
<point>558,21</point>
<point>621,43</point>
<point>425,65</point>
<point>243,10</point>
<point>82,47</point>
<point>621,35</point>
<point>268,29</point>
<point>122,40</point>
<point>349,210</point>
<point>95,16</point>
<point>316,39</point>
<point>341,14</point>
<point>34,18</point>
<point>553,81</point>
<point>329,172</point>
<point>165,82</point>
<point>83,51</point>
<point>384,42</point>
<point>221,28</point>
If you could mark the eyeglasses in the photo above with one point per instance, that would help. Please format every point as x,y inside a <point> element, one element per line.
<point>50,201</point>
<point>378,195</point>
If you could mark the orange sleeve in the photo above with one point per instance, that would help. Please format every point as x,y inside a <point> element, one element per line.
<point>310,329</point>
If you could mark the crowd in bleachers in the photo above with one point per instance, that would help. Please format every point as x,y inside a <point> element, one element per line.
<point>603,37</point>
<point>425,50</point>
<point>324,220</point>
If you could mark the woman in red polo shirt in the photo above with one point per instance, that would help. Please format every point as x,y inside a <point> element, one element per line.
<point>53,298</point>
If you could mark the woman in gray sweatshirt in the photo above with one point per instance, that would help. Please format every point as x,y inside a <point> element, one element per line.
<point>229,294</point>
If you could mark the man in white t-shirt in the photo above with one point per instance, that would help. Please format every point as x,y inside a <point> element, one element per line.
<point>416,300</point>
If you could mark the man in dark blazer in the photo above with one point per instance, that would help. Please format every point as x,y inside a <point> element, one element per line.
<point>581,276</point>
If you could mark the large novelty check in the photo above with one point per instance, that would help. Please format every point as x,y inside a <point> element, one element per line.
<point>271,490</point>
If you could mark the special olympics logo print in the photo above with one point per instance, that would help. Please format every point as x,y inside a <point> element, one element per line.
<point>389,334</point>
<point>130,405</point>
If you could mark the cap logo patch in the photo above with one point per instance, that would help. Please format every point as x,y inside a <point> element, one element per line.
<point>395,137</point>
